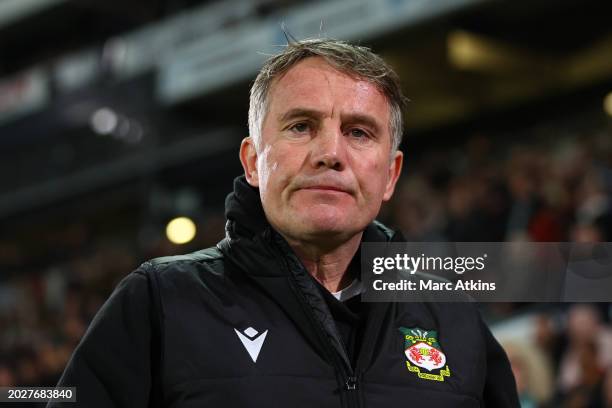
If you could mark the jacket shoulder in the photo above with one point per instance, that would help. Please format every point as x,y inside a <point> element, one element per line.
<point>203,255</point>
<point>209,260</point>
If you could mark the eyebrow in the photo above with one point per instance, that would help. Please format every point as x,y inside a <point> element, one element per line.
<point>300,112</point>
<point>312,113</point>
<point>367,120</point>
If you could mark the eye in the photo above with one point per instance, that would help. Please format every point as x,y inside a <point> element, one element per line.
<point>300,127</point>
<point>358,133</point>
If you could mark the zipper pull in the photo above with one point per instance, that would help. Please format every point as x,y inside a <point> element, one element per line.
<point>351,383</point>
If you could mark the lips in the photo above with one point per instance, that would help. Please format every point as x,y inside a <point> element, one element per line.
<point>326,188</point>
<point>329,184</point>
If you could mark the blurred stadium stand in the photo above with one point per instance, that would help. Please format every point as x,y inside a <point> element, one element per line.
<point>116,117</point>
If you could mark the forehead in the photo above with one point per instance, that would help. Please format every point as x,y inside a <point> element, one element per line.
<point>314,83</point>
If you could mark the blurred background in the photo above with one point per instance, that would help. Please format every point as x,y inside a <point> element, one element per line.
<point>120,124</point>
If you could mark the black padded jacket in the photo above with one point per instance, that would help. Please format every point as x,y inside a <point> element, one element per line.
<point>243,325</point>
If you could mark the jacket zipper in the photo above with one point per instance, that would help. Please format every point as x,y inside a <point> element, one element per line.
<point>351,381</point>
<point>350,387</point>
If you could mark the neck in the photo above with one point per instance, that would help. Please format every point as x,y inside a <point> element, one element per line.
<point>327,265</point>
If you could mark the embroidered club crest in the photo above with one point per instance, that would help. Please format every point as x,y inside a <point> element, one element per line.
<point>423,351</point>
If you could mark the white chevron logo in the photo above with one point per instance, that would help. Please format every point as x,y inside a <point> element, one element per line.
<point>252,341</point>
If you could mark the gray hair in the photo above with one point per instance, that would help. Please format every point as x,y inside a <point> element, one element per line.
<point>351,59</point>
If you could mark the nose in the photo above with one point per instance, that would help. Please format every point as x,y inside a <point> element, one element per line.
<point>328,149</point>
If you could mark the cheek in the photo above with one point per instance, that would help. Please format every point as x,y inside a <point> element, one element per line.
<point>265,167</point>
<point>274,170</point>
<point>372,176</point>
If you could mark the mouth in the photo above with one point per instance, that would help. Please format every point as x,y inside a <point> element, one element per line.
<point>327,189</point>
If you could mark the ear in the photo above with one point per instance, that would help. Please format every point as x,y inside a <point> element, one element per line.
<point>395,168</point>
<point>248,158</point>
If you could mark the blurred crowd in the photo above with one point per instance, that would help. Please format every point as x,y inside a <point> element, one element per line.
<point>564,357</point>
<point>544,187</point>
<point>43,316</point>
<point>549,188</point>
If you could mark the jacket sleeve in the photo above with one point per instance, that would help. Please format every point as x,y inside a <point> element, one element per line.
<point>500,387</point>
<point>111,366</point>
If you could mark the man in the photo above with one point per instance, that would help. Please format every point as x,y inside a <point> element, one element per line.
<point>272,316</point>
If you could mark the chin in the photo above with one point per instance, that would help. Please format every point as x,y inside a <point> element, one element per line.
<point>328,224</point>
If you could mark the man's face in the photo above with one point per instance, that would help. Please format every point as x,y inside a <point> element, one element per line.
<point>323,164</point>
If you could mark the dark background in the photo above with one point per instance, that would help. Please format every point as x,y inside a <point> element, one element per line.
<point>116,117</point>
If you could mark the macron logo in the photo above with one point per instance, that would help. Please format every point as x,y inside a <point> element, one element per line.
<point>252,341</point>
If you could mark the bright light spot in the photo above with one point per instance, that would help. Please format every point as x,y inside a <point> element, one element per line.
<point>608,104</point>
<point>463,48</point>
<point>471,51</point>
<point>104,121</point>
<point>180,230</point>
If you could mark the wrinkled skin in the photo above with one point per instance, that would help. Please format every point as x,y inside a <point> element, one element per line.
<point>324,163</point>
